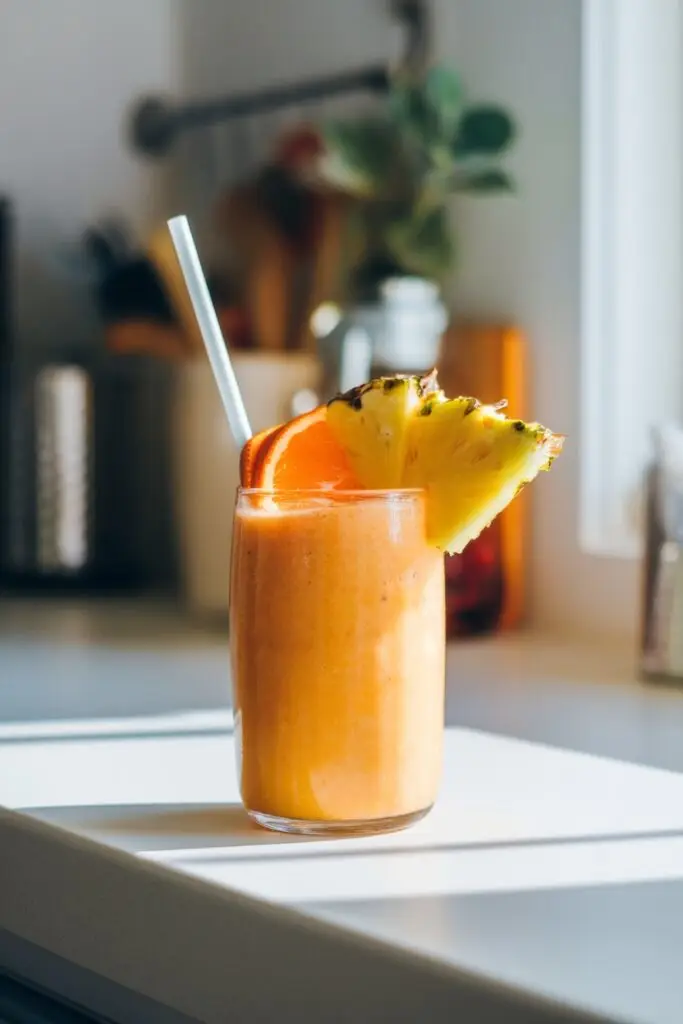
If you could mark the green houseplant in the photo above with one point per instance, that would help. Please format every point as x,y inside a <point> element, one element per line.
<point>401,166</point>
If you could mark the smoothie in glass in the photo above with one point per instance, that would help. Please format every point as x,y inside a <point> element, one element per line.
<point>337,648</point>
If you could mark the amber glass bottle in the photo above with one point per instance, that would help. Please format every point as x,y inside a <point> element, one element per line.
<point>485,585</point>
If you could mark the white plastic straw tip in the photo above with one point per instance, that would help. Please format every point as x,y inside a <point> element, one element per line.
<point>209,328</point>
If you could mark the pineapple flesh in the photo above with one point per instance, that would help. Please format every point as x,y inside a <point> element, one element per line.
<point>371,423</point>
<point>470,459</point>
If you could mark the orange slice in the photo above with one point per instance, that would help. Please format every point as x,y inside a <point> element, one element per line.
<point>250,454</point>
<point>299,455</point>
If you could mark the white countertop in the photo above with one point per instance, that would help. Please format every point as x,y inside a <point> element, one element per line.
<point>556,871</point>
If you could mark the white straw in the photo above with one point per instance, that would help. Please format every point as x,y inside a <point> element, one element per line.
<point>210,330</point>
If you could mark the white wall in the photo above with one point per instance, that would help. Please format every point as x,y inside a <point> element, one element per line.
<point>521,259</point>
<point>230,44</point>
<point>68,72</point>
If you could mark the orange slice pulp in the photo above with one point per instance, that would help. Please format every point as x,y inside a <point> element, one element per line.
<point>299,455</point>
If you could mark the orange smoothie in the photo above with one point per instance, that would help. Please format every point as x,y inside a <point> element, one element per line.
<point>337,649</point>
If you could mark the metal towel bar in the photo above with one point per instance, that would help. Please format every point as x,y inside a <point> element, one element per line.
<point>156,122</point>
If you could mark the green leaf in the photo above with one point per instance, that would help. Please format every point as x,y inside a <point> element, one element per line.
<point>483,129</point>
<point>443,95</point>
<point>428,110</point>
<point>411,110</point>
<point>484,182</point>
<point>422,245</point>
<point>360,155</point>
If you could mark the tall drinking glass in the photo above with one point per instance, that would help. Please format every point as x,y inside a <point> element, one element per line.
<point>337,650</point>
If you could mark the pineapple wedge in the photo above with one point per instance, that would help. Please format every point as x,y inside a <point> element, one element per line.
<point>371,423</point>
<point>470,459</point>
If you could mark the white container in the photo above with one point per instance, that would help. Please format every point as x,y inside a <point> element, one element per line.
<point>405,326</point>
<point>206,462</point>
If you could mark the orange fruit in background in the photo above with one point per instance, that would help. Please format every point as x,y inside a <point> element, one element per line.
<point>299,455</point>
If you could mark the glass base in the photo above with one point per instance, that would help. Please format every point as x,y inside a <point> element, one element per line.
<point>369,827</point>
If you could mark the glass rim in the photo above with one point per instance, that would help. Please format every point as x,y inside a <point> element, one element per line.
<point>329,492</point>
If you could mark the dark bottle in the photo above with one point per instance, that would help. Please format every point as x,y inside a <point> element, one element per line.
<point>475,587</point>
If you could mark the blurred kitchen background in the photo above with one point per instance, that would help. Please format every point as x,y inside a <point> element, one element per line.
<point>374,186</point>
